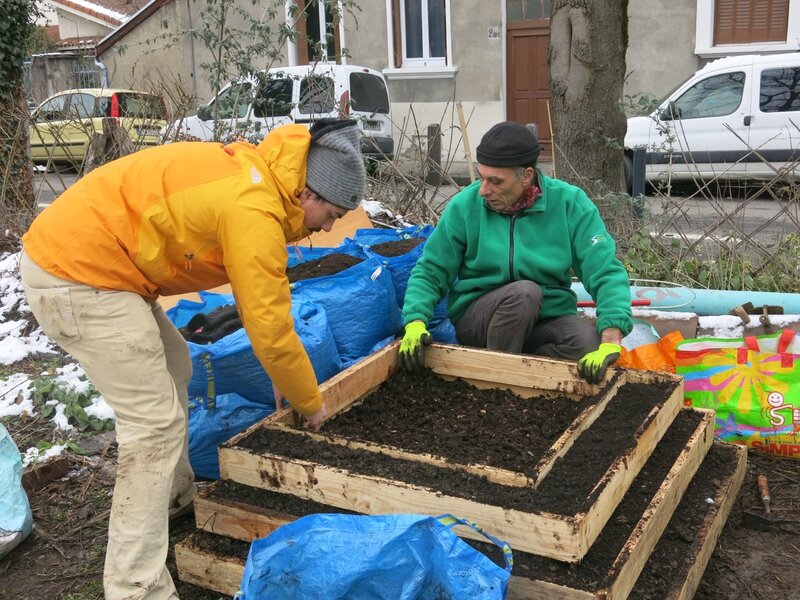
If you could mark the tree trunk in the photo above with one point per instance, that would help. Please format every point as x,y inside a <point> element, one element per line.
<point>17,204</point>
<point>113,143</point>
<point>587,72</point>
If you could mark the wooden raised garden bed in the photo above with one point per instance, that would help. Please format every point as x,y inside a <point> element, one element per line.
<point>554,506</point>
<point>610,570</point>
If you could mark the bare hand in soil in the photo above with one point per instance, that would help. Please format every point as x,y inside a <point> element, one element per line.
<point>314,422</point>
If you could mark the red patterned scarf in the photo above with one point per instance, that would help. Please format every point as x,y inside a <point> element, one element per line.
<point>527,199</point>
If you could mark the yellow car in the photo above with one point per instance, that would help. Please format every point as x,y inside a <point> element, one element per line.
<point>62,126</point>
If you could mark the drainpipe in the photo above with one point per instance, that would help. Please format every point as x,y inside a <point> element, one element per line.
<point>103,73</point>
<point>191,50</point>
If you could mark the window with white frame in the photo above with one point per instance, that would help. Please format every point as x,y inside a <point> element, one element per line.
<point>318,33</point>
<point>424,32</point>
<point>421,33</point>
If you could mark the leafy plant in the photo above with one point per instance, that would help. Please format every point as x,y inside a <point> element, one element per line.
<point>47,393</point>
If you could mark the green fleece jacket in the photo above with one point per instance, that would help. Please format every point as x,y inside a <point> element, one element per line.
<point>474,250</point>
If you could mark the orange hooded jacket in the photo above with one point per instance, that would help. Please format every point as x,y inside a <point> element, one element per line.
<point>188,217</point>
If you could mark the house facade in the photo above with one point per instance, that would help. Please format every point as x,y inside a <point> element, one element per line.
<point>474,62</point>
<point>75,27</point>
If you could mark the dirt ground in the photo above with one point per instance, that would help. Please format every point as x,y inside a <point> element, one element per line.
<point>63,558</point>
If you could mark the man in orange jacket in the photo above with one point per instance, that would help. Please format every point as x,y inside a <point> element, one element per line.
<point>169,220</point>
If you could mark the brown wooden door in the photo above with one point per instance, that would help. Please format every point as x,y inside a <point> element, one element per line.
<point>528,77</point>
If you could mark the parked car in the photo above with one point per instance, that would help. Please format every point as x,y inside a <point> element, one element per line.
<point>62,126</point>
<point>736,118</point>
<point>250,107</point>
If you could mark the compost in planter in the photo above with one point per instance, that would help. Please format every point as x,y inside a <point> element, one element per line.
<point>423,413</point>
<point>397,248</point>
<point>330,264</point>
<point>672,556</point>
<point>568,483</point>
<point>668,561</point>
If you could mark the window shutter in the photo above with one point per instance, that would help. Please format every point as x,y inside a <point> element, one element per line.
<point>750,21</point>
<point>302,37</point>
<point>397,34</point>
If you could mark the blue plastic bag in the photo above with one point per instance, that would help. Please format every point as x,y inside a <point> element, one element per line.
<point>229,365</point>
<point>440,327</point>
<point>399,266</point>
<point>372,557</point>
<point>360,303</point>
<point>16,520</point>
<point>210,427</point>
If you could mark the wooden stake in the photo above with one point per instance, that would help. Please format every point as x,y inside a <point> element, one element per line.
<point>552,137</point>
<point>462,123</point>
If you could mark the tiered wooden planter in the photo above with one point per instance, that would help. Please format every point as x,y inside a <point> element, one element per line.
<point>556,536</point>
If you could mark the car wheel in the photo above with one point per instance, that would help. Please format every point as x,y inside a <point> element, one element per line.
<point>627,169</point>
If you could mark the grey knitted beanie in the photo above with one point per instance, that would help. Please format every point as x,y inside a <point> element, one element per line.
<point>335,169</point>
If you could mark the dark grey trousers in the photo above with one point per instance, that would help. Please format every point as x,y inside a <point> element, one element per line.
<point>506,319</point>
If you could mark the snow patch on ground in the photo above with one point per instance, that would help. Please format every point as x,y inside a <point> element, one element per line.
<point>33,456</point>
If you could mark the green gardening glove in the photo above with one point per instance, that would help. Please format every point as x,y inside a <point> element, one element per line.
<point>412,348</point>
<point>592,367</point>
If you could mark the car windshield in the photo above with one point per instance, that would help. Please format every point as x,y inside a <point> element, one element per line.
<point>368,93</point>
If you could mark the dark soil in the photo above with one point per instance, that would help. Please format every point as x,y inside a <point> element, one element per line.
<point>568,487</point>
<point>671,558</point>
<point>595,571</point>
<point>425,414</point>
<point>217,545</point>
<point>567,495</point>
<point>280,503</point>
<point>398,248</point>
<point>330,264</point>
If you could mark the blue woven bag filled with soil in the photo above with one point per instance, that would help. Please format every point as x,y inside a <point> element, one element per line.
<point>228,365</point>
<point>211,426</point>
<point>384,245</point>
<point>302,254</point>
<point>360,303</point>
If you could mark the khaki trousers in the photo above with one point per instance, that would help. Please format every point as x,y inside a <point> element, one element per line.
<point>140,364</point>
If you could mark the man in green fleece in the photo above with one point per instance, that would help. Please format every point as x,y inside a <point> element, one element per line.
<point>504,253</point>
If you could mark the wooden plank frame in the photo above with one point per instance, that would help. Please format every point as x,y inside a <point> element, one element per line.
<point>706,540</point>
<point>634,554</point>
<point>236,520</point>
<point>244,522</point>
<point>212,572</point>
<point>562,537</point>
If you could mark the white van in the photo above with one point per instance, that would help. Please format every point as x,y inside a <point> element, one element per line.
<point>250,107</point>
<point>722,121</point>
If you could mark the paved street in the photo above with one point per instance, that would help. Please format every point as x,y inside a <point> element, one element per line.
<point>46,187</point>
<point>766,219</point>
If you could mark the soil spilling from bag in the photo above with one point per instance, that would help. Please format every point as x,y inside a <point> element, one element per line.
<point>397,248</point>
<point>565,490</point>
<point>330,264</point>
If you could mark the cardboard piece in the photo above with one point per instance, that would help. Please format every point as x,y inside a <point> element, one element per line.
<point>342,228</point>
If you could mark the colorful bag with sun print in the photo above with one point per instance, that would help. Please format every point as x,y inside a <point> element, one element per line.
<point>752,383</point>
